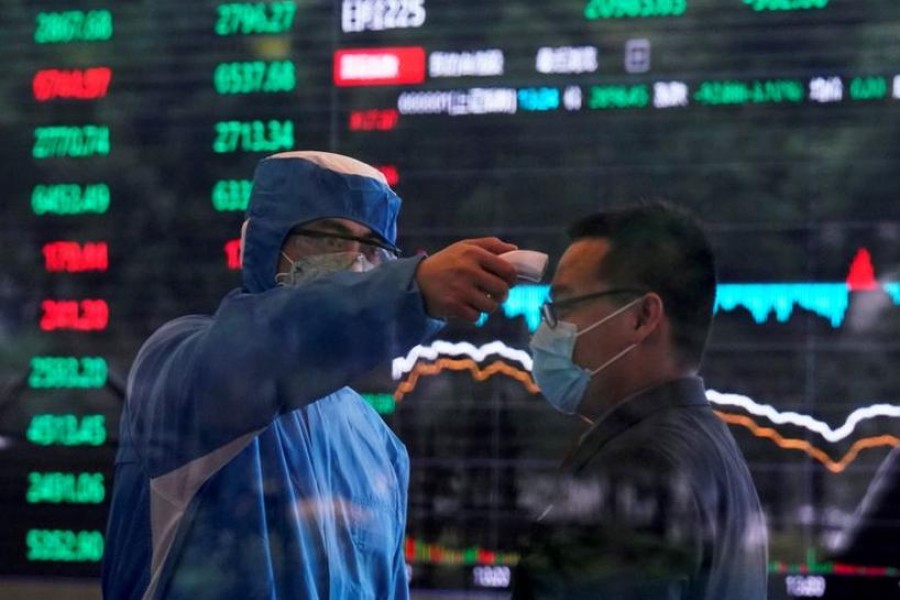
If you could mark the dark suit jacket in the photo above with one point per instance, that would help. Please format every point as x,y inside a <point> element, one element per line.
<point>655,502</point>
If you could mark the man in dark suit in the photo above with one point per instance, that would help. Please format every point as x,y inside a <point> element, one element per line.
<point>656,500</point>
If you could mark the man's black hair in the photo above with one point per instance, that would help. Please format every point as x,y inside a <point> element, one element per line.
<point>658,247</point>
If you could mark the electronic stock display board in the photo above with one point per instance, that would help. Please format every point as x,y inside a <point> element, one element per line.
<point>131,130</point>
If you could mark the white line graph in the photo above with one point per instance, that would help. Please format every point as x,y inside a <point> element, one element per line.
<point>403,365</point>
<point>794,418</point>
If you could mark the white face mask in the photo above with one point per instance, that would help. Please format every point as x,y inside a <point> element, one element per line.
<point>310,267</point>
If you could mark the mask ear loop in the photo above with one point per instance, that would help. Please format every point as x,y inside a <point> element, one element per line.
<point>365,265</point>
<point>282,278</point>
<point>613,359</point>
<point>604,320</point>
<point>615,313</point>
<point>243,244</point>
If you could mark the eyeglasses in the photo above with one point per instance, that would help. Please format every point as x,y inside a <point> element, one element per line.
<point>550,309</point>
<point>327,242</point>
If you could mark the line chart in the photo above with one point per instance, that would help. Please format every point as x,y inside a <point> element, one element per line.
<point>893,290</point>
<point>803,445</point>
<point>435,349</point>
<point>764,301</point>
<point>465,364</point>
<point>414,369</point>
<point>805,421</point>
<point>438,348</point>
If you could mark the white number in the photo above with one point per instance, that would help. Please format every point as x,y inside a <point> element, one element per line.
<point>491,577</point>
<point>805,586</point>
<point>377,15</point>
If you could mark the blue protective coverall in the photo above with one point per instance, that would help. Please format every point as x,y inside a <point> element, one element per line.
<point>246,468</point>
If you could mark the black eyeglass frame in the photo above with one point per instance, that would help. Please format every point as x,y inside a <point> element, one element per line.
<point>314,233</point>
<point>549,308</point>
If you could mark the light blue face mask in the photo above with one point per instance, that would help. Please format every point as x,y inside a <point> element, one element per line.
<point>562,382</point>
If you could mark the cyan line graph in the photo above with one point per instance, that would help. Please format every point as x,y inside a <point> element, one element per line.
<point>827,300</point>
<point>763,300</point>
<point>893,290</point>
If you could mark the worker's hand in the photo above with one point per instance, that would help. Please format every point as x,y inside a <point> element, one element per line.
<point>466,278</point>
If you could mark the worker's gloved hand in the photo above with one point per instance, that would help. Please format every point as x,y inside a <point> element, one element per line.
<point>466,278</point>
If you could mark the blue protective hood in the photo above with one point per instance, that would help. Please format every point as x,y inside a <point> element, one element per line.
<point>289,190</point>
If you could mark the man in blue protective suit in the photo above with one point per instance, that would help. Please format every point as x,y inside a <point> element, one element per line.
<point>247,469</point>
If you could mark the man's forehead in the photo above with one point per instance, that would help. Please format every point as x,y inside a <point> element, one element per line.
<point>577,269</point>
<point>339,225</point>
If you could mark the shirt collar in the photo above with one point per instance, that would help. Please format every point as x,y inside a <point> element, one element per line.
<point>682,392</point>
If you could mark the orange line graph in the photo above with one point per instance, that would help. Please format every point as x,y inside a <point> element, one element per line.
<point>465,364</point>
<point>524,377</point>
<point>795,444</point>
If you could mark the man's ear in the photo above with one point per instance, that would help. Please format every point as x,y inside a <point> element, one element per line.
<point>651,311</point>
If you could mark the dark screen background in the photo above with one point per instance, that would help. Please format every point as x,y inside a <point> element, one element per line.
<point>777,122</point>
